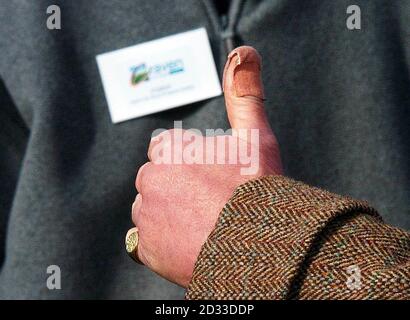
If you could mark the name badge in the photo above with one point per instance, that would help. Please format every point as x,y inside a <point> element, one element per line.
<point>158,75</point>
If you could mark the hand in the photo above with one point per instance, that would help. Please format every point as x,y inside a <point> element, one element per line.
<point>178,204</point>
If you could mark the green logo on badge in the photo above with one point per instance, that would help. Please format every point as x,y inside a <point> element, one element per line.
<point>139,74</point>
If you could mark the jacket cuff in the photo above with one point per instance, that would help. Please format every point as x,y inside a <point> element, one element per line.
<point>262,236</point>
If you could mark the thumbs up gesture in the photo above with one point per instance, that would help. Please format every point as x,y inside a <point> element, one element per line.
<point>190,177</point>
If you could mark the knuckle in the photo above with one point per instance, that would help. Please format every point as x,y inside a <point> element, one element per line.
<point>141,176</point>
<point>159,143</point>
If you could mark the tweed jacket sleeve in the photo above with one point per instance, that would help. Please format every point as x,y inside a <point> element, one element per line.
<point>280,239</point>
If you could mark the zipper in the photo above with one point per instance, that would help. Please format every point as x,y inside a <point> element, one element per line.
<point>225,25</point>
<point>227,34</point>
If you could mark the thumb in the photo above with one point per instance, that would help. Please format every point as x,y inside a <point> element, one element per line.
<point>243,90</point>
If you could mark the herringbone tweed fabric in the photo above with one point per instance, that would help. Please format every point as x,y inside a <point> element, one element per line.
<point>280,239</point>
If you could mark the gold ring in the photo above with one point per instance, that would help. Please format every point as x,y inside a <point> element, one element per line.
<point>131,244</point>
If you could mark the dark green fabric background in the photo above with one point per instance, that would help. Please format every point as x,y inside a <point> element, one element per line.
<point>338,101</point>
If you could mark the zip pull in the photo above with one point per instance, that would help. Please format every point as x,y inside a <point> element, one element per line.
<point>228,24</point>
<point>228,36</point>
<point>225,25</point>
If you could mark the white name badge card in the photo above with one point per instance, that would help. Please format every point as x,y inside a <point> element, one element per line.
<point>158,75</point>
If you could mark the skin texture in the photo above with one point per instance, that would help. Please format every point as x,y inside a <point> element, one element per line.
<point>178,204</point>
